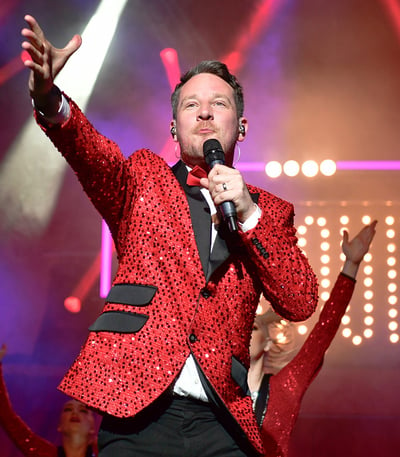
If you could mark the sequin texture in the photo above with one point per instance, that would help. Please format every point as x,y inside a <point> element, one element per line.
<point>121,372</point>
<point>289,385</point>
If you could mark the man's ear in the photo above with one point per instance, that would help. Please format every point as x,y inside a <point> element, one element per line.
<point>173,130</point>
<point>243,125</point>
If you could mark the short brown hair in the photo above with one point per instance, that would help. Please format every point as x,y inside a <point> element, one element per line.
<point>215,68</point>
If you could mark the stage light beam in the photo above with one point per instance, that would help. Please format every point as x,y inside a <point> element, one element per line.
<point>31,173</point>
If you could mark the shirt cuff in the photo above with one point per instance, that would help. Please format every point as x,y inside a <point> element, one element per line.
<point>251,221</point>
<point>62,115</point>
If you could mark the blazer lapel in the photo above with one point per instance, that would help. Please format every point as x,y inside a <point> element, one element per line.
<point>219,253</point>
<point>224,244</point>
<point>199,213</point>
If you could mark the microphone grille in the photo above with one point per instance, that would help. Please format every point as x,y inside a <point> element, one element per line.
<point>211,144</point>
<point>213,152</point>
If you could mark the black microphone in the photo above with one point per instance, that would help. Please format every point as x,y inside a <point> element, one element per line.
<point>213,155</point>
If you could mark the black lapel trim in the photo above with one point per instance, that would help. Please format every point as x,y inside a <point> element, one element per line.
<point>262,399</point>
<point>255,197</point>
<point>199,214</point>
<point>220,251</point>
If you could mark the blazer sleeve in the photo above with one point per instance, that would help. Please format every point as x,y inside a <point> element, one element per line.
<point>309,359</point>
<point>287,279</point>
<point>96,160</point>
<point>289,385</point>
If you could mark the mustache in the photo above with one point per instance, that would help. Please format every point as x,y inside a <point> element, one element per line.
<point>204,125</point>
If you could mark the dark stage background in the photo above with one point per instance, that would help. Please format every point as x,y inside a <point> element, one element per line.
<point>321,81</point>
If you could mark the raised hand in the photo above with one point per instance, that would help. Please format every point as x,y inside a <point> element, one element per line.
<point>356,249</point>
<point>46,61</point>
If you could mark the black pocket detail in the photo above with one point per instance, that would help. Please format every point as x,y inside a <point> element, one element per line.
<point>119,322</point>
<point>131,294</point>
<point>239,375</point>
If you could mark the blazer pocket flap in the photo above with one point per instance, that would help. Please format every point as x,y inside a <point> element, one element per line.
<point>119,322</point>
<point>131,294</point>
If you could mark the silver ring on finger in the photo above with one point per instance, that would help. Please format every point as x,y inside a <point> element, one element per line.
<point>224,186</point>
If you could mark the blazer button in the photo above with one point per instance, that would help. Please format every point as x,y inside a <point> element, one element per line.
<point>192,338</point>
<point>205,293</point>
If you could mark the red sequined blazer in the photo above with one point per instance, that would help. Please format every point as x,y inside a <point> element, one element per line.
<point>166,302</point>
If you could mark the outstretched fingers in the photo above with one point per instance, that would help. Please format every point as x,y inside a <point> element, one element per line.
<point>34,34</point>
<point>367,233</point>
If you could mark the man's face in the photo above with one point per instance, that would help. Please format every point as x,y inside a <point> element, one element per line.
<point>206,109</point>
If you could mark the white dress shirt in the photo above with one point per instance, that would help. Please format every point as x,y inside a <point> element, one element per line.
<point>188,383</point>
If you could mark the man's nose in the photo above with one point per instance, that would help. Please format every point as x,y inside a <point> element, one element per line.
<point>205,113</point>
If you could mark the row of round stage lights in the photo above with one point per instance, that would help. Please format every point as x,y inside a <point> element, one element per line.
<point>392,297</point>
<point>291,168</point>
<point>325,270</point>
<point>368,294</point>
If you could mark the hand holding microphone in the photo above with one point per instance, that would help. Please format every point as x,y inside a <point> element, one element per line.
<point>213,155</point>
